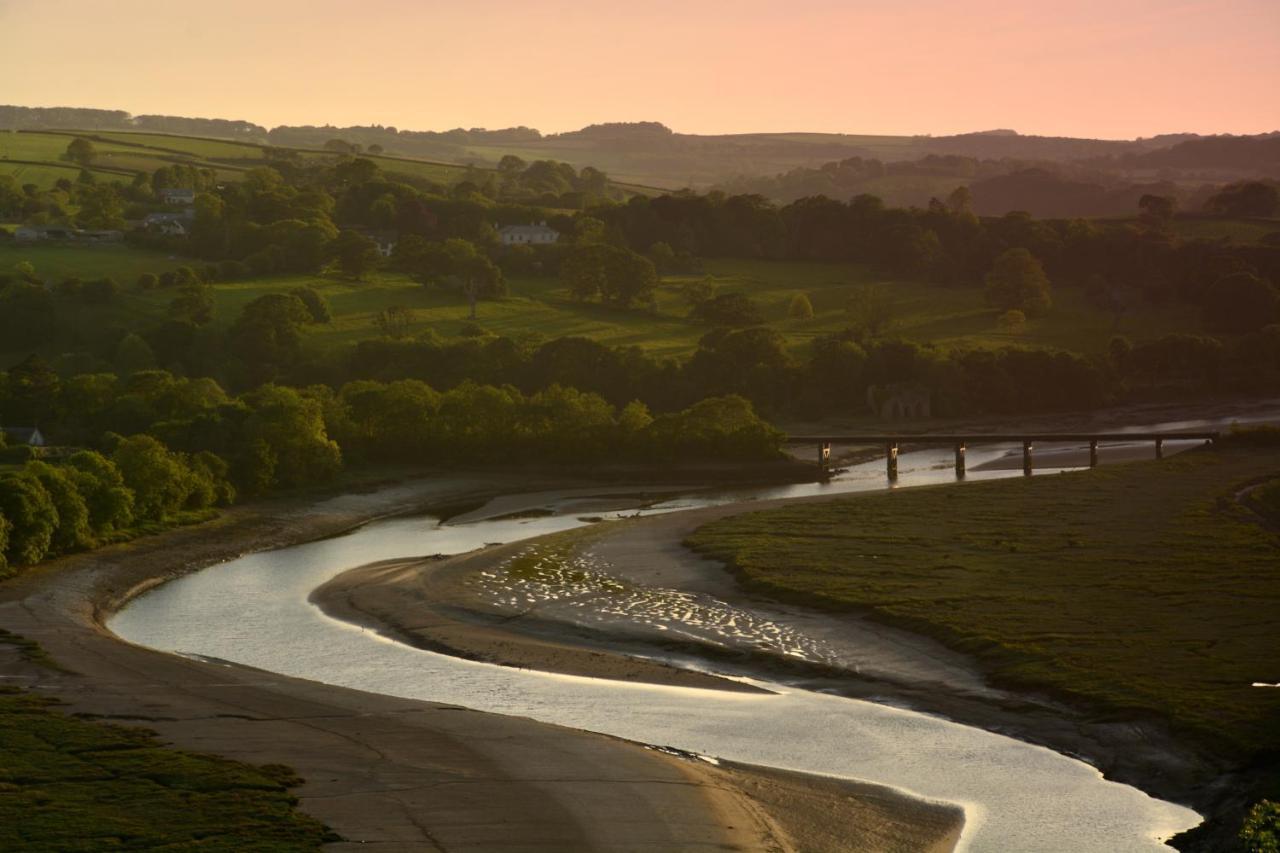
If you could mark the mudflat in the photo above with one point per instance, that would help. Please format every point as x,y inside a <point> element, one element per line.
<point>411,775</point>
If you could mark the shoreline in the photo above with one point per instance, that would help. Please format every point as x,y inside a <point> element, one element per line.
<point>356,751</point>
<point>428,604</point>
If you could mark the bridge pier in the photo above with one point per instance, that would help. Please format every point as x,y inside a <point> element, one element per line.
<point>960,460</point>
<point>1093,453</point>
<point>1026,457</point>
<point>891,460</point>
<point>1159,448</point>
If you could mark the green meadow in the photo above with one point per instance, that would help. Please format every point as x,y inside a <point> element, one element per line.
<point>947,316</point>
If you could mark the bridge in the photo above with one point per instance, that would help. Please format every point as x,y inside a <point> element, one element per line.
<point>892,441</point>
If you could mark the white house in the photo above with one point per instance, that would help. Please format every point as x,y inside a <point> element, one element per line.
<point>531,235</point>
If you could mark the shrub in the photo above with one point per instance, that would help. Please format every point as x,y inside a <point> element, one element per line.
<point>1013,321</point>
<point>148,281</point>
<point>800,308</point>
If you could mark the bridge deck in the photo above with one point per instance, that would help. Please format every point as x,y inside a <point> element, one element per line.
<point>999,438</point>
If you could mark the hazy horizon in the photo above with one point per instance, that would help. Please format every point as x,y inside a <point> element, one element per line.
<point>1146,69</point>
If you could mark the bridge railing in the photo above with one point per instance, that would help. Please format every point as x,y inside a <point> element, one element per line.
<point>960,441</point>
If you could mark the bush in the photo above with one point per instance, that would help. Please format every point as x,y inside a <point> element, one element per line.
<point>148,281</point>
<point>800,308</point>
<point>728,309</point>
<point>1013,321</point>
<point>17,454</point>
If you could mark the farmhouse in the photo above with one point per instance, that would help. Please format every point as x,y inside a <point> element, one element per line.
<point>519,235</point>
<point>170,224</point>
<point>178,197</point>
<point>30,436</point>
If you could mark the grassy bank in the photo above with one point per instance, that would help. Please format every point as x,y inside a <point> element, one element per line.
<point>1144,589</point>
<point>68,784</point>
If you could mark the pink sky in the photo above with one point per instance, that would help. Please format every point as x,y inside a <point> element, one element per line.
<point>1104,68</point>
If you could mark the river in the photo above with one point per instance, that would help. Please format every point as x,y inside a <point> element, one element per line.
<point>1017,797</point>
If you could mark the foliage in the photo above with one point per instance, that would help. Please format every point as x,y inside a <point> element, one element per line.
<point>1261,830</point>
<point>30,510</point>
<point>871,310</point>
<point>1241,302</point>
<point>1017,282</point>
<point>728,309</point>
<point>1077,583</point>
<point>617,276</point>
<point>800,308</point>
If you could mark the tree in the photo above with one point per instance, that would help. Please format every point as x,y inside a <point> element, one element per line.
<point>109,501</point>
<point>394,321</point>
<point>292,426</point>
<point>267,336</point>
<point>1246,198</point>
<point>1012,321</point>
<point>81,150</point>
<point>134,354</point>
<point>618,276</point>
<point>72,531</point>
<point>697,292</point>
<point>800,307</point>
<point>194,304</point>
<point>1240,303</point>
<point>100,206</point>
<point>157,477</point>
<point>317,305</point>
<point>1156,211</point>
<point>30,511</point>
<point>728,309</point>
<point>1017,281</point>
<point>871,310</point>
<point>456,260</point>
<point>355,254</point>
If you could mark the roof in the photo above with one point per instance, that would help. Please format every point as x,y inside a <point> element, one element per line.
<point>25,435</point>
<point>527,229</point>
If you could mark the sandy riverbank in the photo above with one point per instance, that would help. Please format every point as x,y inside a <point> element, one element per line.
<point>415,775</point>
<point>438,604</point>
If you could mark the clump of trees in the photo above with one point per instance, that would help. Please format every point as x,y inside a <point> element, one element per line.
<point>1017,282</point>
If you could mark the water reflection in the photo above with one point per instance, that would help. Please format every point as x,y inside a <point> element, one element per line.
<point>254,611</point>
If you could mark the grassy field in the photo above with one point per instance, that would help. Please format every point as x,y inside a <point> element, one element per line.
<point>925,313</point>
<point>68,784</point>
<point>1143,588</point>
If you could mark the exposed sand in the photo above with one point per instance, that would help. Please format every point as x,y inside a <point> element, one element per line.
<point>409,775</point>
<point>432,604</point>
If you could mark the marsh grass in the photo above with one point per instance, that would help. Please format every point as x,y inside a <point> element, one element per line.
<point>1141,589</point>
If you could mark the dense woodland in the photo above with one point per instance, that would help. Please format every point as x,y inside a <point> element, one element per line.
<point>183,414</point>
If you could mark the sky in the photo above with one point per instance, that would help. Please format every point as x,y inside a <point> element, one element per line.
<point>1098,68</point>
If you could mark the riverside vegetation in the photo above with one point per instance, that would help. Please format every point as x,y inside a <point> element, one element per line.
<point>1140,590</point>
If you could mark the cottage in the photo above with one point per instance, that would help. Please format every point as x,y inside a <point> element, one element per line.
<point>30,436</point>
<point>178,197</point>
<point>169,224</point>
<point>526,235</point>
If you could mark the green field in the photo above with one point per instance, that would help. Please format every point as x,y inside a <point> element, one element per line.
<point>1145,587</point>
<point>947,316</point>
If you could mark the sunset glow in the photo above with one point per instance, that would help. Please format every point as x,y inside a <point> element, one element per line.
<point>1087,68</point>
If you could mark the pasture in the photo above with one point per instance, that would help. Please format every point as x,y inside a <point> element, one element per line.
<point>946,316</point>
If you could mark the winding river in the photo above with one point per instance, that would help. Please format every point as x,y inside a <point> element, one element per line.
<point>1017,797</point>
